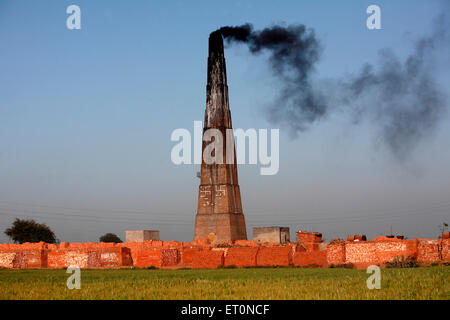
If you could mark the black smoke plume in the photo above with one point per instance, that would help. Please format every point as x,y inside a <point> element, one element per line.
<point>293,52</point>
<point>402,98</point>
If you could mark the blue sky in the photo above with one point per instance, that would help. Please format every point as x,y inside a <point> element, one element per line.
<point>86,117</point>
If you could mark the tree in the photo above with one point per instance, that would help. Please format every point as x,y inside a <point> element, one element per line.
<point>110,237</point>
<point>30,231</point>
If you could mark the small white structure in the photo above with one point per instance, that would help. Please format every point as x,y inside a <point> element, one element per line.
<point>271,234</point>
<point>141,235</point>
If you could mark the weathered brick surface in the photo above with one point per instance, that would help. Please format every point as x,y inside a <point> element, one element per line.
<point>25,246</point>
<point>387,250</point>
<point>171,244</point>
<point>8,260</point>
<point>134,247</point>
<point>208,258</point>
<point>187,255</point>
<point>100,257</point>
<point>111,257</point>
<point>21,258</point>
<point>336,254</point>
<point>202,242</point>
<point>383,250</point>
<point>428,251</point>
<point>88,245</point>
<point>361,254</point>
<point>201,254</point>
<point>445,247</point>
<point>305,236</point>
<point>246,243</point>
<point>150,257</point>
<point>63,258</point>
<point>241,257</point>
<point>169,257</point>
<point>412,249</point>
<point>156,257</point>
<point>274,256</point>
<point>310,259</point>
<point>313,246</point>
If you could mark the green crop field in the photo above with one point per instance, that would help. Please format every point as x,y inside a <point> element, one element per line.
<point>254,283</point>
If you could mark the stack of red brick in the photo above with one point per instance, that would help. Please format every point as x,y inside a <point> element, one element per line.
<point>308,251</point>
<point>383,249</point>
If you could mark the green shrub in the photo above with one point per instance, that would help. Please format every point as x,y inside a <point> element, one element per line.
<point>151,268</point>
<point>232,266</point>
<point>343,265</point>
<point>402,262</point>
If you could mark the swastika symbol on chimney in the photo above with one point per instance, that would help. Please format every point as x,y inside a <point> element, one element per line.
<point>205,195</point>
<point>221,191</point>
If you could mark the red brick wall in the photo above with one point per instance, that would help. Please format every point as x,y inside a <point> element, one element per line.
<point>246,243</point>
<point>427,251</point>
<point>304,236</point>
<point>310,259</point>
<point>208,258</point>
<point>202,255</point>
<point>100,257</point>
<point>8,259</point>
<point>361,254</point>
<point>274,256</point>
<point>187,255</point>
<point>336,254</point>
<point>387,250</point>
<point>147,257</point>
<point>110,257</point>
<point>169,257</point>
<point>412,248</point>
<point>23,256</point>
<point>445,245</point>
<point>241,257</point>
<point>63,258</point>
<point>23,259</point>
<point>155,257</point>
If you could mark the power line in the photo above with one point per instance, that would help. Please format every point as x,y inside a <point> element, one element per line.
<point>167,222</point>
<point>70,216</point>
<point>86,209</point>
<point>81,216</point>
<point>178,214</point>
<point>394,211</point>
<point>92,220</point>
<point>355,218</point>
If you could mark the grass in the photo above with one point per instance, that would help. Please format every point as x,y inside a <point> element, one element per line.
<point>248,283</point>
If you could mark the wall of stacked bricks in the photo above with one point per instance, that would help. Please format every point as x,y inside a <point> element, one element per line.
<point>309,251</point>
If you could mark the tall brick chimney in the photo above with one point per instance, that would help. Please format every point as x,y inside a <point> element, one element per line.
<point>219,213</point>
